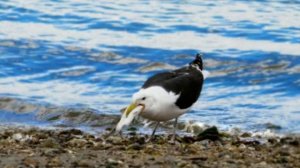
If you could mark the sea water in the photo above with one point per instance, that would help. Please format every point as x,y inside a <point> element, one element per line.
<point>75,63</point>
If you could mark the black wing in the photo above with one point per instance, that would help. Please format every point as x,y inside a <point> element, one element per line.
<point>185,81</point>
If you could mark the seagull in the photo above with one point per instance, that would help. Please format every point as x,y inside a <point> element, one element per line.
<point>166,96</point>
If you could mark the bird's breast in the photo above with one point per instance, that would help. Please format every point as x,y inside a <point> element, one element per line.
<point>163,114</point>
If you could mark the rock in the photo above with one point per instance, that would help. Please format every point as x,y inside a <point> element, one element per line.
<point>272,140</point>
<point>181,164</point>
<point>29,162</point>
<point>54,162</point>
<point>21,137</point>
<point>246,135</point>
<point>251,148</point>
<point>107,146</point>
<point>232,161</point>
<point>284,152</point>
<point>250,142</point>
<point>72,131</point>
<point>290,140</point>
<point>196,129</point>
<point>40,135</point>
<point>200,144</point>
<point>83,163</point>
<point>242,146</point>
<point>77,143</point>
<point>187,139</point>
<point>51,152</point>
<point>283,159</point>
<point>136,139</point>
<point>218,143</point>
<point>205,142</point>
<point>211,133</point>
<point>262,164</point>
<point>17,136</point>
<point>227,156</point>
<point>131,128</point>
<point>132,133</point>
<point>9,166</point>
<point>135,146</point>
<point>272,126</point>
<point>295,142</point>
<point>113,162</point>
<point>50,143</point>
<point>115,140</point>
<point>203,158</point>
<point>97,146</point>
<point>229,147</point>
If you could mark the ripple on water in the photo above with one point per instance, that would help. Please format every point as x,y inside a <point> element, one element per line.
<point>75,63</point>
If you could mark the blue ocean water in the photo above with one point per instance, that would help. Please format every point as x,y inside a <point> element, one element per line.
<point>70,62</point>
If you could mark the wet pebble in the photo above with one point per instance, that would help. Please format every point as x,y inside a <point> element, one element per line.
<point>54,162</point>
<point>83,163</point>
<point>211,133</point>
<point>205,143</point>
<point>290,140</point>
<point>49,143</point>
<point>113,162</point>
<point>227,156</point>
<point>17,136</point>
<point>135,146</point>
<point>242,146</point>
<point>77,143</point>
<point>71,132</point>
<point>116,140</point>
<point>30,162</point>
<point>251,148</point>
<point>284,152</point>
<point>51,152</point>
<point>272,126</point>
<point>272,140</point>
<point>261,164</point>
<point>187,139</point>
<point>246,135</point>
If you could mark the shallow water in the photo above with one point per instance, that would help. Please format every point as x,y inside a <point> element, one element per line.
<point>71,62</point>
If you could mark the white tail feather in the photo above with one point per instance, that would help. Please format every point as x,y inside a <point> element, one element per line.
<point>205,74</point>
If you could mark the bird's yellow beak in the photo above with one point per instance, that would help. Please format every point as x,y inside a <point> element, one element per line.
<point>130,108</point>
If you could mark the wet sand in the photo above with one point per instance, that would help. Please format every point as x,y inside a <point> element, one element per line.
<point>34,147</point>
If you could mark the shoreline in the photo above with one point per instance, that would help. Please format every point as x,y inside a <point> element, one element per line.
<point>33,147</point>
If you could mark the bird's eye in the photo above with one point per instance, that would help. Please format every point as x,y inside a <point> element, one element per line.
<point>144,98</point>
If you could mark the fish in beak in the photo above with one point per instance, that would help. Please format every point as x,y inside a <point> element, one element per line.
<point>129,109</point>
<point>129,114</point>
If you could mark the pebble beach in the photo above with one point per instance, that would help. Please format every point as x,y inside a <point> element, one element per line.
<point>33,147</point>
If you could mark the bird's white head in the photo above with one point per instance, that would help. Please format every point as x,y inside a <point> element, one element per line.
<point>142,98</point>
<point>141,101</point>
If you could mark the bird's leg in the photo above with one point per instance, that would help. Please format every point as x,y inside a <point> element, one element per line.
<point>174,131</point>
<point>150,138</point>
<point>109,134</point>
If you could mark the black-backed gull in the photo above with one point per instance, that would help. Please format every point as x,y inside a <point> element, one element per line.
<point>166,95</point>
